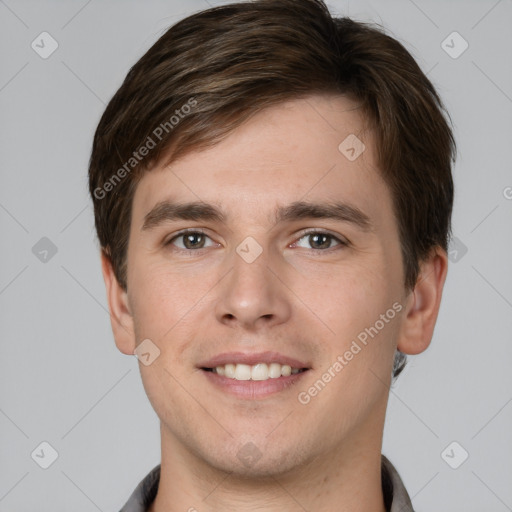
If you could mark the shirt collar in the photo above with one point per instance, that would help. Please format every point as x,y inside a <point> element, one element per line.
<point>396,498</point>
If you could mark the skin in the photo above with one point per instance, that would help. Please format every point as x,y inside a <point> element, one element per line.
<point>295,298</point>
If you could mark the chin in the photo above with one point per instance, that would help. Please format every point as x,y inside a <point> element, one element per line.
<point>255,459</point>
<point>264,468</point>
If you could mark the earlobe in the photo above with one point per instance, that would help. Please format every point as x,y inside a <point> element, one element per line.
<point>423,304</point>
<point>120,315</point>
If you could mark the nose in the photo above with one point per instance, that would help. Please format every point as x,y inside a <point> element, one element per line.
<point>254,294</point>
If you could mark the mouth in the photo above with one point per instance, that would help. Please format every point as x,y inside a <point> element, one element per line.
<point>253,376</point>
<point>258,371</point>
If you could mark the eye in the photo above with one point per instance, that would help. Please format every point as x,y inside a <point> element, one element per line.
<point>319,240</point>
<point>190,240</point>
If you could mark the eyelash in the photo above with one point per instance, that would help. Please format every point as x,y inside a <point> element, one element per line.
<point>341,243</point>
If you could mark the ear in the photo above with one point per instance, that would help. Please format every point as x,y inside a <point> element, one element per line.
<point>423,304</point>
<point>120,315</point>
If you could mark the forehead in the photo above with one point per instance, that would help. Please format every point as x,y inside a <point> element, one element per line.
<point>315,148</point>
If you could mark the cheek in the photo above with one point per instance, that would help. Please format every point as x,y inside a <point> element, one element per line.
<point>161,298</point>
<point>356,303</point>
<point>359,355</point>
<point>163,304</point>
<point>345,298</point>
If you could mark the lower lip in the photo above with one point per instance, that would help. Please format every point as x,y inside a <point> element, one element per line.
<point>253,389</point>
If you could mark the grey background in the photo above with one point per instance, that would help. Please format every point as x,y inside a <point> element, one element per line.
<point>62,379</point>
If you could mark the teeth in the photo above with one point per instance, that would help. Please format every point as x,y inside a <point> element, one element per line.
<point>286,370</point>
<point>274,370</point>
<point>242,372</point>
<point>229,370</point>
<point>260,371</point>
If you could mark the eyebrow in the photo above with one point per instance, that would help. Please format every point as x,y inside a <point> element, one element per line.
<point>165,211</point>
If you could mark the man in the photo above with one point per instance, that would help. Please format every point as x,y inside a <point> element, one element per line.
<point>272,191</point>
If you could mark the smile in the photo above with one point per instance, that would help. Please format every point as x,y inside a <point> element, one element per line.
<point>259,371</point>
<point>253,376</point>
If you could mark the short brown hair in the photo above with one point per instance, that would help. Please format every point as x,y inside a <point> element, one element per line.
<point>229,62</point>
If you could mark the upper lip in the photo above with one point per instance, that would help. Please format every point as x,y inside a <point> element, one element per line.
<point>252,359</point>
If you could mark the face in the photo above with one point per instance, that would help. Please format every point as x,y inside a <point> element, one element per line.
<point>277,313</point>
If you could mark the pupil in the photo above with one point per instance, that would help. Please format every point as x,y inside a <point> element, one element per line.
<point>314,239</point>
<point>189,240</point>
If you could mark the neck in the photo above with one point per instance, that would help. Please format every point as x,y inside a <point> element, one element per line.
<point>350,478</point>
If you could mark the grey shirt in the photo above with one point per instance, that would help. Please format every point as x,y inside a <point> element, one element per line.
<point>396,498</point>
